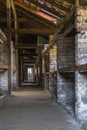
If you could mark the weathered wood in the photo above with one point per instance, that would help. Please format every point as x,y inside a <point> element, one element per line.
<point>28,47</point>
<point>16,36</point>
<point>70,1</point>
<point>36,18</point>
<point>58,6</point>
<point>3,38</point>
<point>8,5</point>
<point>24,6</point>
<point>45,7</point>
<point>67,69</point>
<point>20,20</point>
<point>67,26</point>
<point>81,68</point>
<point>3,67</point>
<point>31,31</point>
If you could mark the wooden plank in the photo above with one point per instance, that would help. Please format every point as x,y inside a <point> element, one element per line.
<point>67,69</point>
<point>8,6</point>
<point>58,6</point>
<point>28,47</point>
<point>3,67</point>
<point>80,68</point>
<point>36,18</point>
<point>3,37</point>
<point>70,1</point>
<point>66,25</point>
<point>31,31</point>
<point>39,13</point>
<point>45,7</point>
<point>20,20</point>
<point>16,37</point>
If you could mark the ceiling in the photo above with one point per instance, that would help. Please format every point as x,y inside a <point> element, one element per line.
<point>37,14</point>
<point>34,17</point>
<point>36,20</point>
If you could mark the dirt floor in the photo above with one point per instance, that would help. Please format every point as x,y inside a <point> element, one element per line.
<point>34,110</point>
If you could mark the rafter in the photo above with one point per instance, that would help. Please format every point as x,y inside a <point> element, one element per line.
<point>24,6</point>
<point>58,6</point>
<point>70,1</point>
<point>3,20</point>
<point>36,18</point>
<point>43,6</point>
<point>24,20</point>
<point>44,31</point>
<point>31,16</point>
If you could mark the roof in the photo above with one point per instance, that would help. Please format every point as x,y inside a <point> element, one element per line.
<point>37,14</point>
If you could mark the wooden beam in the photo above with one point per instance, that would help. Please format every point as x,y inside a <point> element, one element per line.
<point>58,6</point>
<point>36,18</point>
<point>3,38</point>
<point>45,7</point>
<point>28,47</point>
<point>27,21</point>
<point>24,6</point>
<point>68,24</point>
<point>3,20</point>
<point>16,37</point>
<point>81,68</point>
<point>44,31</point>
<point>8,6</point>
<point>3,67</point>
<point>67,69</point>
<point>70,1</point>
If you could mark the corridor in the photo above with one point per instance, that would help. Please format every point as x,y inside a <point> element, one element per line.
<point>34,110</point>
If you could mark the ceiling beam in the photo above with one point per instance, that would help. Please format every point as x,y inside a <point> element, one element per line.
<point>3,20</point>
<point>45,7</point>
<point>27,47</point>
<point>36,12</point>
<point>42,31</point>
<point>70,1</point>
<point>58,6</point>
<point>29,16</point>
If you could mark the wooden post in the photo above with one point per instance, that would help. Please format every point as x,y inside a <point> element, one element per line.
<point>16,38</point>
<point>8,5</point>
<point>76,3</point>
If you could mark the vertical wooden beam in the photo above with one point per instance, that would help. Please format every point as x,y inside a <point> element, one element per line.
<point>16,37</point>
<point>76,3</point>
<point>8,5</point>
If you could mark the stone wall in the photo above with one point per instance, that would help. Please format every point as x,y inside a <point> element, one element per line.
<point>53,71</point>
<point>81,19</point>
<point>3,72</point>
<point>81,48</point>
<point>66,91</point>
<point>81,59</point>
<point>81,95</point>
<point>14,77</point>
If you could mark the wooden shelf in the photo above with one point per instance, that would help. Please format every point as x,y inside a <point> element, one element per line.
<point>82,68</point>
<point>67,69</point>
<point>3,67</point>
<point>71,69</point>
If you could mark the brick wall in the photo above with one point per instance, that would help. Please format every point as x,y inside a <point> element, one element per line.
<point>66,90</point>
<point>66,52</point>
<point>3,61</point>
<point>52,70</point>
<point>81,48</point>
<point>81,18</point>
<point>81,98</point>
